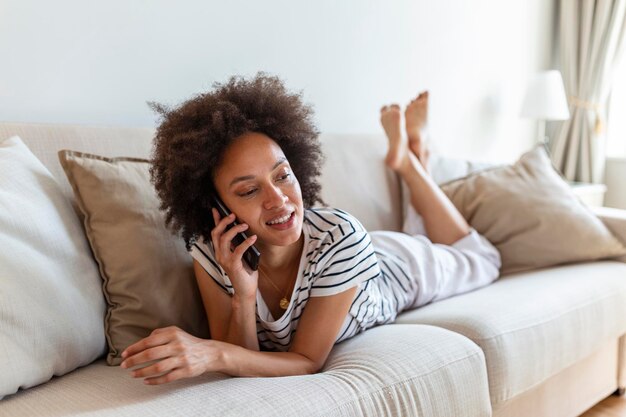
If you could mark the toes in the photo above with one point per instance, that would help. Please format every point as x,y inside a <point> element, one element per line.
<point>421,96</point>
<point>390,107</point>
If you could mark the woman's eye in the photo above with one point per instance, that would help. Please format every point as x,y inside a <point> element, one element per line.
<point>284,177</point>
<point>247,193</point>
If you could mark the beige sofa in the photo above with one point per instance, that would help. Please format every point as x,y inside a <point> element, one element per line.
<point>544,343</point>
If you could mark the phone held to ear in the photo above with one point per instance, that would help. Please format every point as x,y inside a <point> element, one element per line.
<point>251,255</point>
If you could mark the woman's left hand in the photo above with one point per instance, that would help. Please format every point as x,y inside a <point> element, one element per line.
<point>179,354</point>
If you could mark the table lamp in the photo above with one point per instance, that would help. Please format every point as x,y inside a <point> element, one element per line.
<point>545,100</point>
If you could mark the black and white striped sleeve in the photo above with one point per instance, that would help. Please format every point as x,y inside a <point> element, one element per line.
<point>205,256</point>
<point>346,257</point>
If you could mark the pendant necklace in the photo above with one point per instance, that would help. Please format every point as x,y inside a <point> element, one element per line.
<point>284,302</point>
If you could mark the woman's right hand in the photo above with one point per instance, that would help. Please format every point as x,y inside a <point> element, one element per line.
<point>244,280</point>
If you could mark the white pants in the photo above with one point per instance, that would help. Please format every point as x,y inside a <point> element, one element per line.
<point>440,271</point>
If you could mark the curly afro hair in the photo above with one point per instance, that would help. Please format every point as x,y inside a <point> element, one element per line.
<point>191,140</point>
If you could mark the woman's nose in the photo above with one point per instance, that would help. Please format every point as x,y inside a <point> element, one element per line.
<point>274,198</point>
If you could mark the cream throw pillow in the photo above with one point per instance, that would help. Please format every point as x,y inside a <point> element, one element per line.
<point>531,215</point>
<point>148,274</point>
<point>51,304</point>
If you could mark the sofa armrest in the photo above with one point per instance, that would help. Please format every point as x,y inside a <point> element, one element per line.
<point>615,220</point>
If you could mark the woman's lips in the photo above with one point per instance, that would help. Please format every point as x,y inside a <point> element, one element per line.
<point>283,226</point>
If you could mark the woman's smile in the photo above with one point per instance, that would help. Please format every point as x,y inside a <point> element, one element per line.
<point>284,222</point>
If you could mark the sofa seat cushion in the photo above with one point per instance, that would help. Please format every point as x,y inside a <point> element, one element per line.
<point>390,370</point>
<point>532,325</point>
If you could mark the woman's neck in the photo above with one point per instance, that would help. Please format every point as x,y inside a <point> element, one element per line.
<point>281,257</point>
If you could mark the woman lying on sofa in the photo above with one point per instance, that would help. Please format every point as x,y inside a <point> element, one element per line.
<point>321,278</point>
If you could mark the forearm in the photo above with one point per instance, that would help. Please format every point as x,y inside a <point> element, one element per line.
<point>239,361</point>
<point>442,221</point>
<point>242,324</point>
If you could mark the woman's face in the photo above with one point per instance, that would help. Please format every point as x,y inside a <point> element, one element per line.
<point>256,183</point>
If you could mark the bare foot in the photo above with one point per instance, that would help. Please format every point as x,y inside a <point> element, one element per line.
<point>398,150</point>
<point>416,118</point>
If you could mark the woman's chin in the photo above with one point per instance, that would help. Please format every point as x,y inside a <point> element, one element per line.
<point>281,237</point>
<point>289,240</point>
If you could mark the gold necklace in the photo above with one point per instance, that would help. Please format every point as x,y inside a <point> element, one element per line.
<point>284,302</point>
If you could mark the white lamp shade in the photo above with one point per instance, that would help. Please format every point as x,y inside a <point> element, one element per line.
<point>545,97</point>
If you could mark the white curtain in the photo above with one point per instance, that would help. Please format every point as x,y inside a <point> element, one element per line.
<point>591,41</point>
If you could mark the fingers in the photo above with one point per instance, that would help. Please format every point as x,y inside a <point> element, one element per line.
<point>146,343</point>
<point>227,237</point>
<point>158,368</point>
<point>224,251</point>
<point>225,254</point>
<point>220,233</point>
<point>221,223</point>
<point>147,355</point>
<point>158,337</point>
<point>243,247</point>
<point>220,226</point>
<point>233,259</point>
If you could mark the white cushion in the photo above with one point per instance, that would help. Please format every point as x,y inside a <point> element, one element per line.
<point>444,169</point>
<point>534,324</point>
<point>51,303</point>
<point>390,370</point>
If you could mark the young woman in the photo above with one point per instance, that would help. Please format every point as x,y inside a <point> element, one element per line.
<point>322,278</point>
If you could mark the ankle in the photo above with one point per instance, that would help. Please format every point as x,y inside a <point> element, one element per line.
<point>410,168</point>
<point>414,136</point>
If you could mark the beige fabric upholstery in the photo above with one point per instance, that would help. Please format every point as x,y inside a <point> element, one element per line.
<point>570,392</point>
<point>532,325</point>
<point>359,183</point>
<point>386,371</point>
<point>148,274</point>
<point>51,305</point>
<point>531,215</point>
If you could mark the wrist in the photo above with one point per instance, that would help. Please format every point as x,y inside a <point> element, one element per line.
<point>222,353</point>
<point>239,300</point>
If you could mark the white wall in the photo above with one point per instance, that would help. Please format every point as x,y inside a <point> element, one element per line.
<point>98,62</point>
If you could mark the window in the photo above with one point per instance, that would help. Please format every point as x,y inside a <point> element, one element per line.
<point>616,133</point>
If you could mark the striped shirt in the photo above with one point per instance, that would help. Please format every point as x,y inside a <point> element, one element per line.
<point>339,254</point>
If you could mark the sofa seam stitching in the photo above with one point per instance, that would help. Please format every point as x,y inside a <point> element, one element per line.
<point>410,379</point>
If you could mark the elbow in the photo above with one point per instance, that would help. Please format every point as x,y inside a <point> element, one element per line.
<point>311,370</point>
<point>311,366</point>
<point>314,368</point>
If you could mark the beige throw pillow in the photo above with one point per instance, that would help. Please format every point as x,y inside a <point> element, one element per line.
<point>531,215</point>
<point>148,274</point>
<point>51,303</point>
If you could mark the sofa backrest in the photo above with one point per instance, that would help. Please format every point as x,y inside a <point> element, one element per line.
<point>354,177</point>
<point>45,140</point>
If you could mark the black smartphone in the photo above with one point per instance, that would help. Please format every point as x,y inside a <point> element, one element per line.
<point>252,254</point>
